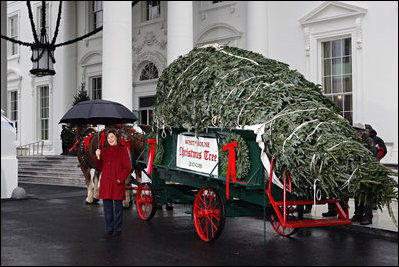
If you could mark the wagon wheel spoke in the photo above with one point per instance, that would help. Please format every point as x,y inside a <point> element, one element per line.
<point>279,228</point>
<point>208,213</point>
<point>145,200</point>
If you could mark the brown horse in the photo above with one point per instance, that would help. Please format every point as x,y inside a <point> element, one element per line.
<point>88,142</point>
<point>87,160</point>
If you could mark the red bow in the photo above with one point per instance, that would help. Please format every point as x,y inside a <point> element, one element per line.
<point>102,140</point>
<point>231,168</point>
<point>150,155</point>
<point>126,143</point>
<point>87,141</point>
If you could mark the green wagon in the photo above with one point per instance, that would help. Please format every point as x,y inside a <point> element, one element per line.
<point>182,177</point>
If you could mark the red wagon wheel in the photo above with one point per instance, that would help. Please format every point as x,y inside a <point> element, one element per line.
<point>209,214</point>
<point>280,229</point>
<point>146,201</point>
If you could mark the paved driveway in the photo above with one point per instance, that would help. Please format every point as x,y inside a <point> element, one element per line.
<point>54,227</point>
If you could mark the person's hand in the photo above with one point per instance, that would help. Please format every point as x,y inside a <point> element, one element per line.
<point>98,152</point>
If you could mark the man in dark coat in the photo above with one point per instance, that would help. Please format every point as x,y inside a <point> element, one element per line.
<point>378,142</point>
<point>67,138</point>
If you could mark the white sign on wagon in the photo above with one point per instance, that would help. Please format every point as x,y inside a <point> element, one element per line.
<point>197,154</point>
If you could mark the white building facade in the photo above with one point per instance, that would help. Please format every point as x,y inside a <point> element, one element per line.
<point>349,47</point>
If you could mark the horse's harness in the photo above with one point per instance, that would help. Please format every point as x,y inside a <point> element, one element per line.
<point>125,136</point>
<point>83,136</point>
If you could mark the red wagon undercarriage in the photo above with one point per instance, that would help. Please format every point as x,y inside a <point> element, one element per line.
<point>286,224</point>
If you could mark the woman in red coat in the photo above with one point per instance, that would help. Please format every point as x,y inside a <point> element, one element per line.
<point>114,163</point>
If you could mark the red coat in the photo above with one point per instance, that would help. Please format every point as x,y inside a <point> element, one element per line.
<point>114,165</point>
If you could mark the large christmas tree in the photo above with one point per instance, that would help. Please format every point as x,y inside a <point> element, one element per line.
<point>227,87</point>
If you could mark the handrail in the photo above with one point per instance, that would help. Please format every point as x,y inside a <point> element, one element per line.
<point>36,148</point>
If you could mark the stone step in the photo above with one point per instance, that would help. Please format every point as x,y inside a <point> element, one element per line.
<point>54,170</point>
<point>63,166</point>
<point>53,181</point>
<point>51,174</point>
<point>46,159</point>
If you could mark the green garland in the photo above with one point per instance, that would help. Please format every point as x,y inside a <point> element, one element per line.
<point>243,164</point>
<point>159,149</point>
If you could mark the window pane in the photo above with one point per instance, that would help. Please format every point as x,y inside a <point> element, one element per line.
<point>96,87</point>
<point>347,83</point>
<point>14,106</point>
<point>153,9</point>
<point>146,101</point>
<point>347,47</point>
<point>348,102</point>
<point>149,72</point>
<point>327,67</point>
<point>150,116</point>
<point>336,66</point>
<point>337,85</point>
<point>338,101</point>
<point>44,129</point>
<point>13,32</point>
<point>44,111</point>
<point>327,50</point>
<point>143,115</point>
<point>347,65</point>
<point>337,48</point>
<point>327,85</point>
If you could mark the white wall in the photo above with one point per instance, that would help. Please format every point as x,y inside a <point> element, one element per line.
<point>381,72</point>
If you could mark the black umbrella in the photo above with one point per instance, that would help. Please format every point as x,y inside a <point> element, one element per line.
<point>98,111</point>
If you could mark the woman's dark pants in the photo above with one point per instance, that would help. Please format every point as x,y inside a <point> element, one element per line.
<point>113,223</point>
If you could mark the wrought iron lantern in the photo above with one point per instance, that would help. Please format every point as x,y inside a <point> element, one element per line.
<point>43,57</point>
<point>42,49</point>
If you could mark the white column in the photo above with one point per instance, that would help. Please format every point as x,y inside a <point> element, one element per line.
<point>257,27</point>
<point>4,57</point>
<point>180,29</point>
<point>117,52</point>
<point>65,68</point>
<point>68,53</point>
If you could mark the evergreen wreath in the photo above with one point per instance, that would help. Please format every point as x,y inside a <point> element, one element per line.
<point>159,149</point>
<point>243,163</point>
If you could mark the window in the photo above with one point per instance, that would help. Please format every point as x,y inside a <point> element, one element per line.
<point>44,112</point>
<point>96,85</point>
<point>13,33</point>
<point>145,108</point>
<point>39,23</point>
<point>149,72</point>
<point>337,74</point>
<point>97,14</point>
<point>152,10</point>
<point>14,108</point>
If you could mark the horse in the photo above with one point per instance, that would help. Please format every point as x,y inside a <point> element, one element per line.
<point>87,144</point>
<point>88,140</point>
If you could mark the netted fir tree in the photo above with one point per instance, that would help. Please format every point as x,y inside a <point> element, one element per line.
<point>228,88</point>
